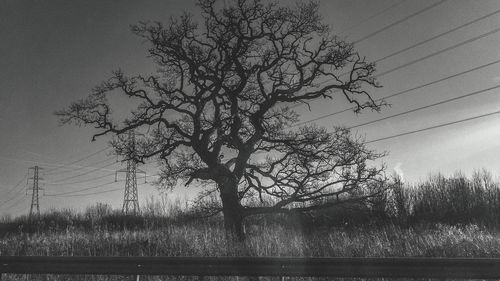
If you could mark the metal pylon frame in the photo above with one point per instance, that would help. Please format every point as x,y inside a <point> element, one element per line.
<point>130,195</point>
<point>35,193</point>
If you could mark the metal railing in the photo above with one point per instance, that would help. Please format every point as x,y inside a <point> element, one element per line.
<point>458,268</point>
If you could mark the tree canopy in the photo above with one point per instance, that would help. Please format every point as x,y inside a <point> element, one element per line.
<point>220,108</point>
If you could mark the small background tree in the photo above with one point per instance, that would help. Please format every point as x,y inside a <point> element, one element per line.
<point>219,109</point>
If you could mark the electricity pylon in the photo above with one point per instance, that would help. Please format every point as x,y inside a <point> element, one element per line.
<point>130,196</point>
<point>35,192</point>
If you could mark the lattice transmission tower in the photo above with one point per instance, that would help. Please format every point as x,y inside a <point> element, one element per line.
<point>130,196</point>
<point>35,192</point>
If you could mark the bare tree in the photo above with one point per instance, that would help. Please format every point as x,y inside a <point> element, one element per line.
<point>227,87</point>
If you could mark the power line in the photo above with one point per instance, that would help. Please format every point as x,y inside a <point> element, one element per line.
<point>12,198</point>
<point>16,202</point>
<point>79,160</point>
<point>101,161</point>
<point>81,181</point>
<point>73,168</point>
<point>435,127</point>
<point>437,36</point>
<point>427,106</point>
<point>91,168</point>
<point>360,23</point>
<point>399,21</point>
<point>400,92</point>
<point>94,193</point>
<point>19,195</point>
<point>83,189</point>
<point>16,195</point>
<point>421,43</point>
<point>430,55</point>
<point>86,173</point>
<point>438,52</point>
<point>439,80</point>
<point>47,163</point>
<point>14,187</point>
<point>93,179</point>
<point>27,161</point>
<point>80,167</point>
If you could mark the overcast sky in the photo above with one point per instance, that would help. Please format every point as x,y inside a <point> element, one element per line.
<point>53,52</point>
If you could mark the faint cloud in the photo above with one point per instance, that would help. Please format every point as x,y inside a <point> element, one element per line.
<point>496,79</point>
<point>398,170</point>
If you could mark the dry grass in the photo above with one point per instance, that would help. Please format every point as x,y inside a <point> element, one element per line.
<point>204,239</point>
<point>443,217</point>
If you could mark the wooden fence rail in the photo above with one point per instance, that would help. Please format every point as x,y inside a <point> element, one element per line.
<point>458,268</point>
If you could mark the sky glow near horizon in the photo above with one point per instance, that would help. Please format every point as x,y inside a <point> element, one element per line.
<point>55,52</point>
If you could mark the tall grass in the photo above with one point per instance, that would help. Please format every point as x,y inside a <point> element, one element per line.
<point>451,216</point>
<point>207,239</point>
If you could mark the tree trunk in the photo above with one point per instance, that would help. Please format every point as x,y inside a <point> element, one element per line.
<point>233,219</point>
<point>232,210</point>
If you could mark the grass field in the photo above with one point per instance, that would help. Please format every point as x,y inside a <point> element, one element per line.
<point>443,217</point>
<point>203,239</point>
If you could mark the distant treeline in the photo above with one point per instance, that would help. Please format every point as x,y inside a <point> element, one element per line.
<point>453,200</point>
